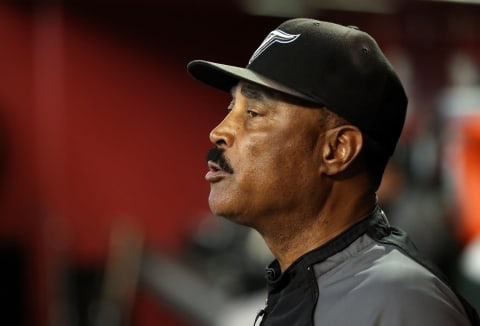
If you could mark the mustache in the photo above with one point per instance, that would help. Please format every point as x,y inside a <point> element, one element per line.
<point>216,155</point>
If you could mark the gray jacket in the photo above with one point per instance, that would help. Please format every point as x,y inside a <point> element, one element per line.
<point>371,274</point>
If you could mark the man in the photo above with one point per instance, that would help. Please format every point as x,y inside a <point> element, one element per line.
<point>313,120</point>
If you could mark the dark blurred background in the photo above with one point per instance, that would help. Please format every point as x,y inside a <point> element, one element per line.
<point>103,208</point>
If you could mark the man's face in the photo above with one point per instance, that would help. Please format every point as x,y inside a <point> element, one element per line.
<point>273,149</point>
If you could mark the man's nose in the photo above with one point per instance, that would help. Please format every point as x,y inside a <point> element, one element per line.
<point>224,133</point>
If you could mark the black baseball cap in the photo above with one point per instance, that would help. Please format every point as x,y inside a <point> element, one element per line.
<point>339,67</point>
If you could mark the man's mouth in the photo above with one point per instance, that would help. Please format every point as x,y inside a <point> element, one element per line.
<point>217,162</point>
<point>214,167</point>
<point>215,172</point>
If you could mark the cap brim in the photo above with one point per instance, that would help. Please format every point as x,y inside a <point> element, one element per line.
<point>224,77</point>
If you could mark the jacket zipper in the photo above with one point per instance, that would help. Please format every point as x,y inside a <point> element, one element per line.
<point>261,313</point>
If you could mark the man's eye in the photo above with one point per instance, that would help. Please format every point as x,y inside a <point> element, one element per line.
<point>252,114</point>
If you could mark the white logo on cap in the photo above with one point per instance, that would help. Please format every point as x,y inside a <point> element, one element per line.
<point>277,36</point>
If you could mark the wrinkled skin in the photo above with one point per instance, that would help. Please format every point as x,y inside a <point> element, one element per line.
<point>274,148</point>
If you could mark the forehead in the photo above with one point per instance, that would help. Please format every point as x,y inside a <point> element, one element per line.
<point>253,91</point>
<point>284,106</point>
<point>257,92</point>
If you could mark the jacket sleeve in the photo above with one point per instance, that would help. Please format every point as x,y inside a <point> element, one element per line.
<point>418,306</point>
<point>398,292</point>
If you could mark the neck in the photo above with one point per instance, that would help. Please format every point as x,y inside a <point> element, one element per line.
<point>297,235</point>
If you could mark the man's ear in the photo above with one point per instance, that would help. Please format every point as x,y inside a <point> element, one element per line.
<point>341,146</point>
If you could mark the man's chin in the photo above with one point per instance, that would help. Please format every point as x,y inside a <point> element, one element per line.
<point>220,205</point>
<point>224,212</point>
<point>221,212</point>
<point>233,217</point>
